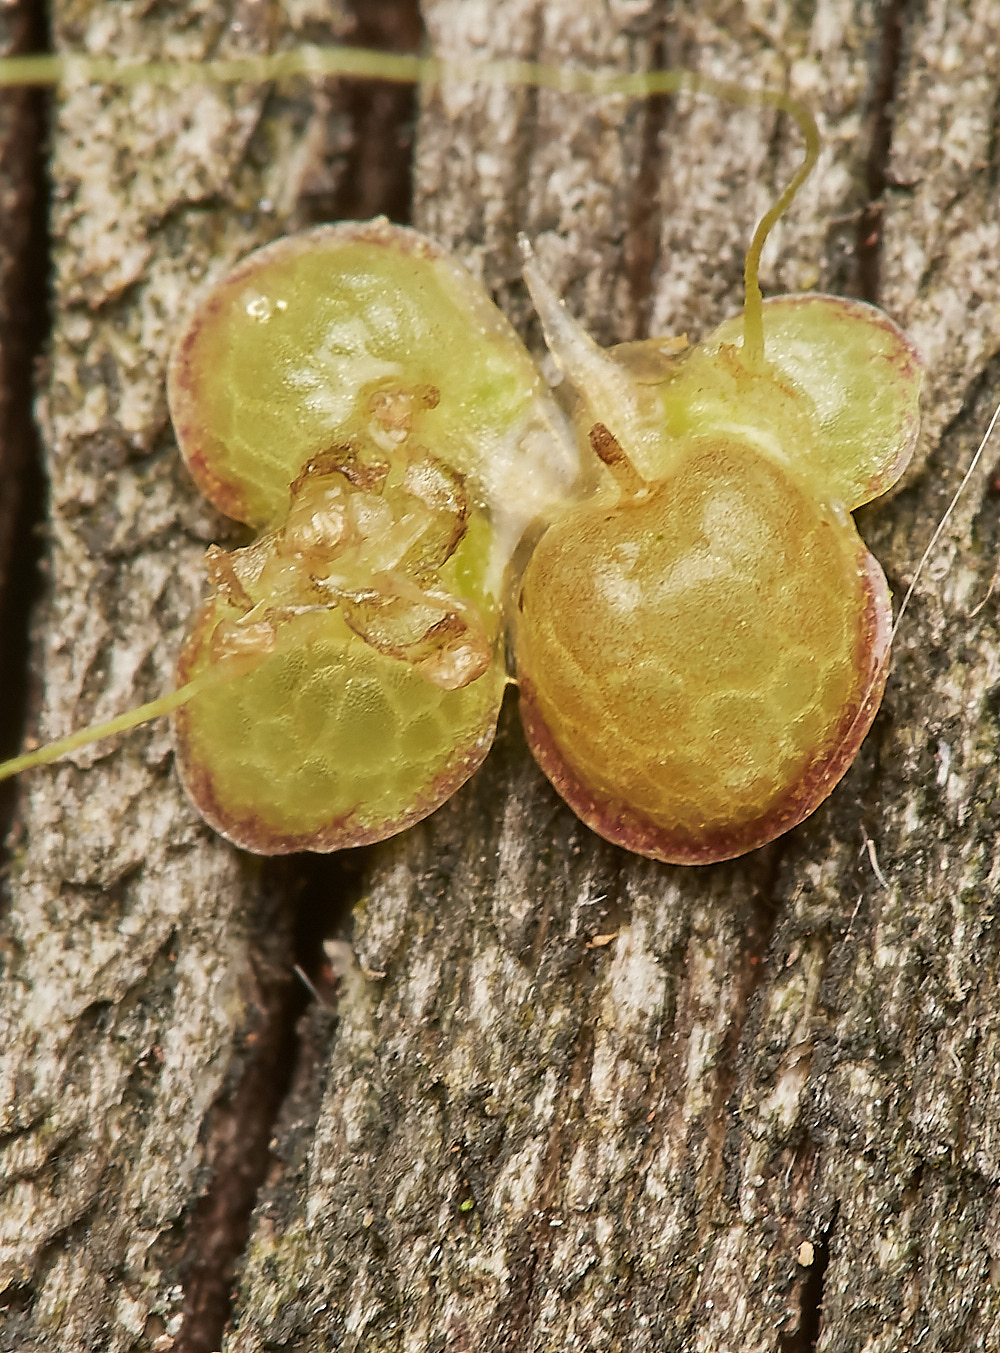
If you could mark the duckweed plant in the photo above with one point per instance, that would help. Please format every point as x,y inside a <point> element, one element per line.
<point>701,637</point>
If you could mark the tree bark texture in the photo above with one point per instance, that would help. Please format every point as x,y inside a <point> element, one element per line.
<point>562,1098</point>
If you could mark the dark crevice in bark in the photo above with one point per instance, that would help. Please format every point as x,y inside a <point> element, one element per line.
<point>806,1337</point>
<point>765,909</point>
<point>378,177</point>
<point>240,1132</point>
<point>502,274</point>
<point>993,143</point>
<point>642,232</point>
<point>23,329</point>
<point>527,139</point>
<point>761,920</point>
<point>242,1129</point>
<point>15,1299</point>
<point>330,885</point>
<point>881,113</point>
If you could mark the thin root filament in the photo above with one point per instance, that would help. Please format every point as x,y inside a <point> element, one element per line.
<point>364,63</point>
<point>132,718</point>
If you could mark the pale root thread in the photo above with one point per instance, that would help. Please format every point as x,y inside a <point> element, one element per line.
<point>939,529</point>
<point>366,64</point>
<point>132,718</point>
<point>922,562</point>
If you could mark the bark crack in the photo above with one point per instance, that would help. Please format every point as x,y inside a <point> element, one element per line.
<point>877,177</point>
<point>644,225</point>
<point>378,174</point>
<point>24,322</point>
<point>240,1135</point>
<point>811,1291</point>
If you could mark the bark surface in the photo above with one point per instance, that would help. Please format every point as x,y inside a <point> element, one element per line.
<point>564,1098</point>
